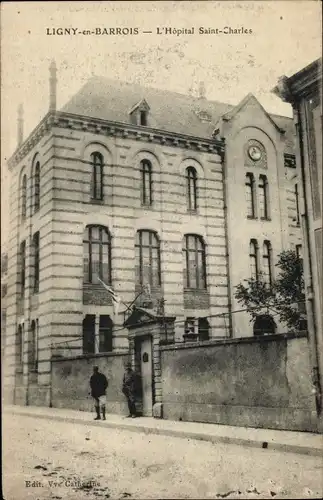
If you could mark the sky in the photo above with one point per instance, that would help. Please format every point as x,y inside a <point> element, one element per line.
<point>286,36</point>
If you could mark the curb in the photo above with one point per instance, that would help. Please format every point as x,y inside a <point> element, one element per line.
<point>199,436</point>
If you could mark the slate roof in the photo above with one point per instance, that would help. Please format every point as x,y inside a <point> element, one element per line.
<point>113,100</point>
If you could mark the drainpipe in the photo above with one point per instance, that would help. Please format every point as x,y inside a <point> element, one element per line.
<point>225,208</point>
<point>311,322</point>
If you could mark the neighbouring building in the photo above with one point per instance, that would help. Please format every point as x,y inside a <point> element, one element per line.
<point>303,91</point>
<point>140,186</point>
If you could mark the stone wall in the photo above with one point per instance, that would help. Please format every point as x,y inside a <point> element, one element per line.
<point>248,382</point>
<point>70,382</point>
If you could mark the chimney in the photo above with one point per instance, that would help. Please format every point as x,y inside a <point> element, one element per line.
<point>20,128</point>
<point>52,86</point>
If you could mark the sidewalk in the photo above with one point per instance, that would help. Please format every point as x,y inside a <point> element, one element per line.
<point>288,441</point>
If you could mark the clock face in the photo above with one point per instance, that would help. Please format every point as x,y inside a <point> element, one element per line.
<point>254,153</point>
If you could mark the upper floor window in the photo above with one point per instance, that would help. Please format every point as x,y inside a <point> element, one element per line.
<point>33,353</point>
<point>297,205</point>
<point>143,118</point>
<point>36,186</point>
<point>194,262</point>
<point>266,257</point>
<point>146,182</point>
<point>20,344</point>
<point>97,176</point>
<point>250,196</point>
<point>35,251</point>
<point>263,197</point>
<point>191,187</point>
<point>22,267</point>
<point>253,256</point>
<point>96,254</point>
<point>147,268</point>
<point>24,197</point>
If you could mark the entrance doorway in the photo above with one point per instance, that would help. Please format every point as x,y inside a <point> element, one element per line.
<point>145,362</point>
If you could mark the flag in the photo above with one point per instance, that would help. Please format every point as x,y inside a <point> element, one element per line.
<point>116,299</point>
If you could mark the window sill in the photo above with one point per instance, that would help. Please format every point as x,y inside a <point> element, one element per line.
<point>192,212</point>
<point>146,205</point>
<point>251,217</point>
<point>94,201</point>
<point>265,219</point>
<point>196,290</point>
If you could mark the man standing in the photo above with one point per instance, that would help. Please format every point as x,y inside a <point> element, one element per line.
<point>130,389</point>
<point>98,384</point>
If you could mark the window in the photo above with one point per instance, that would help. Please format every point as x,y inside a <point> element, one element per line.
<point>143,118</point>
<point>24,197</point>
<point>20,344</point>
<point>33,352</point>
<point>250,196</point>
<point>263,197</point>
<point>264,325</point>
<point>147,249</point>
<point>22,267</point>
<point>146,182</point>
<point>36,187</point>
<point>97,176</point>
<point>97,254</point>
<point>297,205</point>
<point>194,262</point>
<point>35,249</point>
<point>191,185</point>
<point>266,257</point>
<point>253,256</point>
<point>89,334</point>
<point>203,329</point>
<point>105,333</point>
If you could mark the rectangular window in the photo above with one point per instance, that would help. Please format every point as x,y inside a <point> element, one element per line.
<point>253,255</point>
<point>105,333</point>
<point>89,334</point>
<point>22,265</point>
<point>263,197</point>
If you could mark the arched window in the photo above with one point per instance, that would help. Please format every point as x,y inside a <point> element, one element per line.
<point>266,259</point>
<point>194,262</point>
<point>97,255</point>
<point>37,187</point>
<point>22,267</point>
<point>24,197</point>
<point>264,325</point>
<point>191,187</point>
<point>250,196</point>
<point>253,256</point>
<point>146,182</point>
<point>97,176</point>
<point>263,197</point>
<point>35,252</point>
<point>20,344</point>
<point>147,267</point>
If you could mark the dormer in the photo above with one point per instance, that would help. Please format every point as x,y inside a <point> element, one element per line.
<point>139,113</point>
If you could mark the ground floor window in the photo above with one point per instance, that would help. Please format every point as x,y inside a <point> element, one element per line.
<point>97,333</point>
<point>196,328</point>
<point>264,325</point>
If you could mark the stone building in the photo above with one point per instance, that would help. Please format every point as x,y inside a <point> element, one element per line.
<point>140,186</point>
<point>303,91</point>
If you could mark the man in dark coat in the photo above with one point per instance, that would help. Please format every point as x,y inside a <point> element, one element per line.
<point>130,389</point>
<point>98,384</point>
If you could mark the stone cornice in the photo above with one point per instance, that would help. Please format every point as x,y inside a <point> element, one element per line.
<point>113,129</point>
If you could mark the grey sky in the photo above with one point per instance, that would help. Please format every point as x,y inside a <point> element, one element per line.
<point>286,36</point>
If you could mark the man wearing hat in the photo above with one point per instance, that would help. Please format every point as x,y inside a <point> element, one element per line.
<point>98,384</point>
<point>130,389</point>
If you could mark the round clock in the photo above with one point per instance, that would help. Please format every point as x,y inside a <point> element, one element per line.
<point>254,152</point>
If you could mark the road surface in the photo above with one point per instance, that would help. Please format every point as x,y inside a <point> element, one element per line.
<point>45,459</point>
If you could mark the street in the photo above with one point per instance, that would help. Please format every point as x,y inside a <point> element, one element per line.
<point>48,459</point>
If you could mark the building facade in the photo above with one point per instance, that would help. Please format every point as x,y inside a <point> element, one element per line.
<point>303,91</point>
<point>138,187</point>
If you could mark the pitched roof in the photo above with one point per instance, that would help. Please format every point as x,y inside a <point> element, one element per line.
<point>113,100</point>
